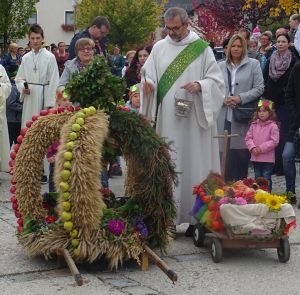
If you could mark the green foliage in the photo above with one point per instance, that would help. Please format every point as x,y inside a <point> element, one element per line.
<point>96,86</point>
<point>131,20</point>
<point>14,15</point>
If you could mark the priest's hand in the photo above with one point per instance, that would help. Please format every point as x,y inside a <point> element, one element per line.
<point>192,87</point>
<point>148,88</point>
<point>26,91</point>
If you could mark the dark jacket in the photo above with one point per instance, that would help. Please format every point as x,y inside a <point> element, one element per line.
<point>13,105</point>
<point>292,100</point>
<point>85,34</point>
<point>275,90</point>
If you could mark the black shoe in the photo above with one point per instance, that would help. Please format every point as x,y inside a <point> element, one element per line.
<point>189,231</point>
<point>44,179</point>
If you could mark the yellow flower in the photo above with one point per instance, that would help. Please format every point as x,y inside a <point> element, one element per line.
<point>282,199</point>
<point>219,193</point>
<point>274,202</point>
<point>261,197</point>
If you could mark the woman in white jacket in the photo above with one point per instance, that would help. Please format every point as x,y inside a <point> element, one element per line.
<point>5,88</point>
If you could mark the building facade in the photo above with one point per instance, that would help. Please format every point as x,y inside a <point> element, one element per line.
<point>56,17</point>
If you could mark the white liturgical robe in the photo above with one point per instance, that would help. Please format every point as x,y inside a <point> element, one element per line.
<point>5,88</point>
<point>37,68</point>
<point>196,151</point>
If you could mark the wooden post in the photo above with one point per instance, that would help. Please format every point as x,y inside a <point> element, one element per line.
<point>161,264</point>
<point>71,264</point>
<point>145,261</point>
<point>226,136</point>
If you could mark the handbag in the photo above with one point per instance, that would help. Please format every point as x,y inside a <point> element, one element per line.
<point>242,113</point>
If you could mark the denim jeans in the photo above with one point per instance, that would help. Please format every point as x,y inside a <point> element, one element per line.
<point>264,169</point>
<point>289,166</point>
<point>104,177</point>
<point>51,181</point>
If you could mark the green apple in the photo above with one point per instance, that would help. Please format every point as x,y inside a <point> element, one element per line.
<point>66,206</point>
<point>64,186</point>
<point>73,135</point>
<point>76,127</point>
<point>68,225</point>
<point>66,216</point>
<point>76,252</point>
<point>93,110</point>
<point>66,196</point>
<point>80,121</point>
<point>87,111</point>
<point>75,243</point>
<point>80,115</point>
<point>65,174</point>
<point>68,156</point>
<point>74,233</point>
<point>68,165</point>
<point>70,145</point>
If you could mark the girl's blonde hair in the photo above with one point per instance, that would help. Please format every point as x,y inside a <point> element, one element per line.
<point>231,41</point>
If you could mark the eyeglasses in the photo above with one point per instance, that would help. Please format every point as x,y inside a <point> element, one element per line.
<point>87,49</point>
<point>174,29</point>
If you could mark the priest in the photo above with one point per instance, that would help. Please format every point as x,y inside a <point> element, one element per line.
<point>5,88</point>
<point>37,77</point>
<point>182,93</point>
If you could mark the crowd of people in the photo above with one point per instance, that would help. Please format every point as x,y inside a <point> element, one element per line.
<point>187,95</point>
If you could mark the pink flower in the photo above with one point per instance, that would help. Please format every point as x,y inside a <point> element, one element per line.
<point>240,201</point>
<point>116,226</point>
<point>224,200</point>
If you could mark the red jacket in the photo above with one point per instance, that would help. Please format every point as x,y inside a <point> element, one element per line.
<point>264,135</point>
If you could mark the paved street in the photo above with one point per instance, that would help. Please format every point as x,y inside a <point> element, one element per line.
<point>240,272</point>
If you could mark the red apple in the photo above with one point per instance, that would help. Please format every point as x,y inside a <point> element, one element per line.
<point>71,109</point>
<point>13,199</point>
<point>20,222</point>
<point>14,206</point>
<point>28,124</point>
<point>20,139</point>
<point>44,112</point>
<point>17,214</point>
<point>23,131</point>
<point>13,155</point>
<point>53,111</point>
<point>20,229</point>
<point>12,181</point>
<point>11,163</point>
<point>11,171</point>
<point>60,109</point>
<point>77,108</point>
<point>16,147</point>
<point>34,118</point>
<point>13,189</point>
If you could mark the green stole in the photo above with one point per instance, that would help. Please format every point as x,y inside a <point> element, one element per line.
<point>177,67</point>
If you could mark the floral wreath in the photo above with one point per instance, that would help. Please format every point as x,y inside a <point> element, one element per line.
<point>78,218</point>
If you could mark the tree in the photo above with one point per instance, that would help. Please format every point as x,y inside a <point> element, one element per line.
<point>14,15</point>
<point>131,20</point>
<point>217,20</point>
<point>286,6</point>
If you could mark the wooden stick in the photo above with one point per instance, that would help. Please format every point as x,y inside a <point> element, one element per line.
<point>226,136</point>
<point>71,264</point>
<point>161,264</point>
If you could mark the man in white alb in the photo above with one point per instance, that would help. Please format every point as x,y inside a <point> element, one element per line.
<point>183,66</point>
<point>39,72</point>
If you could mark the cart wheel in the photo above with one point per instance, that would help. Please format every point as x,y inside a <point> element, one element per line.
<point>284,251</point>
<point>198,235</point>
<point>216,250</point>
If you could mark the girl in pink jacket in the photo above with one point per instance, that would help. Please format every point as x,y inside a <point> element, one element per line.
<point>262,139</point>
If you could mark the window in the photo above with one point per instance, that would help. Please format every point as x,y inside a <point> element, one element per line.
<point>33,19</point>
<point>69,17</point>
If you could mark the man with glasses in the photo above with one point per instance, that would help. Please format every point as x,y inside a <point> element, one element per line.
<point>97,32</point>
<point>182,93</point>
